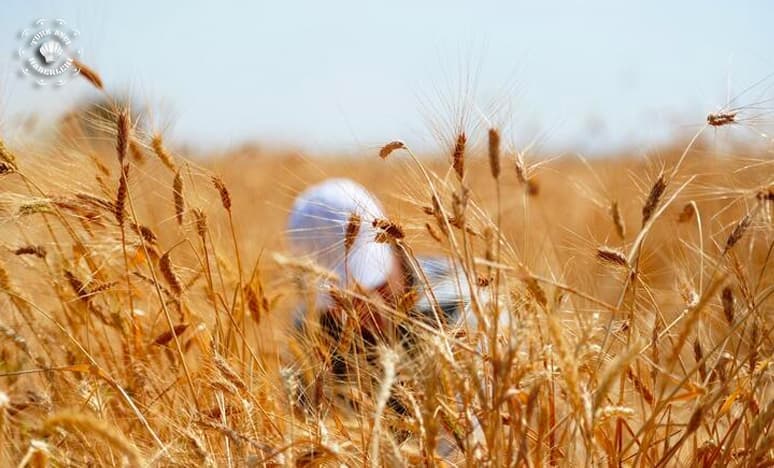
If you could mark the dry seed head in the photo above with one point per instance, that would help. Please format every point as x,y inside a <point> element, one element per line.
<point>166,337</point>
<point>494,152</point>
<point>763,195</point>
<point>153,252</point>
<point>225,196</point>
<point>436,209</point>
<point>618,221</point>
<point>727,297</point>
<point>533,287</point>
<point>78,286</point>
<point>253,303</point>
<point>145,232</point>
<point>237,438</point>
<point>123,128</point>
<point>433,233</point>
<point>611,255</point>
<point>721,118</point>
<point>36,250</point>
<point>687,213</point>
<point>137,153</point>
<point>5,280</point>
<point>654,197</point>
<point>226,387</point>
<point>407,301</point>
<point>18,340</point>
<point>6,168</point>
<point>640,386</point>
<point>102,287</point>
<point>95,201</point>
<point>352,230</point>
<point>157,143</point>
<point>90,75</point>
<point>385,151</point>
<point>6,155</point>
<point>536,291</point>
<point>199,449</point>
<point>177,193</point>
<point>483,281</point>
<point>609,412</point>
<point>168,271</point>
<point>388,231</point>
<point>458,155</point>
<point>35,207</point>
<point>201,222</point>
<point>228,373</point>
<point>738,232</point>
<point>123,190</point>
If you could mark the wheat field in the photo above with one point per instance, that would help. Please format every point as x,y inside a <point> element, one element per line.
<point>148,295</point>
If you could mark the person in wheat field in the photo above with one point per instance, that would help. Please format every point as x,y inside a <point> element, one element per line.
<point>320,227</point>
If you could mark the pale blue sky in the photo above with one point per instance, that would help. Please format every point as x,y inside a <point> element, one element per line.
<point>350,75</point>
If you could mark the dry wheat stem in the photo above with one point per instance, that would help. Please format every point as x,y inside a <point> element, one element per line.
<point>389,360</point>
<point>164,307</point>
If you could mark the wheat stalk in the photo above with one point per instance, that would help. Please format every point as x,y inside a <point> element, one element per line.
<point>81,422</point>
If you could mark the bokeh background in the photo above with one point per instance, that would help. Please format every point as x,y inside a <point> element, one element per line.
<point>594,76</point>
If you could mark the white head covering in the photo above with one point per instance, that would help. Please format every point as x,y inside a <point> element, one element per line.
<point>317,228</point>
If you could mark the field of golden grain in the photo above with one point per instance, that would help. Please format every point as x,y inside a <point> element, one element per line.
<point>147,298</point>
